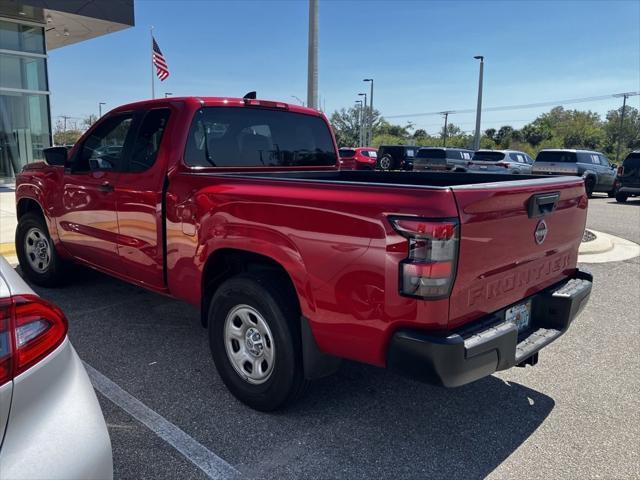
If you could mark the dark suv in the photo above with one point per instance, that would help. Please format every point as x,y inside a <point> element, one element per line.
<point>628,179</point>
<point>442,158</point>
<point>599,175</point>
<point>396,157</point>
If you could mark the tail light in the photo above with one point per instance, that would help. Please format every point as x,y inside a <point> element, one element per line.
<point>429,270</point>
<point>502,164</point>
<point>621,170</point>
<point>30,329</point>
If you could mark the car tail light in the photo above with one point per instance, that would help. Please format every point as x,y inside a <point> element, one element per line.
<point>621,170</point>
<point>429,270</point>
<point>502,164</point>
<point>30,329</point>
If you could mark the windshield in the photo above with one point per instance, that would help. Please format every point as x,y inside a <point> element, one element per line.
<point>557,157</point>
<point>488,156</point>
<point>632,161</point>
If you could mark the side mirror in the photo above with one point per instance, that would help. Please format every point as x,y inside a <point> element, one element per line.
<point>55,155</point>
<point>614,165</point>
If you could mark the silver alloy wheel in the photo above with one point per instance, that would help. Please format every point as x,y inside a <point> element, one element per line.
<point>38,250</point>
<point>385,163</point>
<point>249,344</point>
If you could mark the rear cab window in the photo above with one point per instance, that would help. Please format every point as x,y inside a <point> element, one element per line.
<point>632,160</point>
<point>346,152</point>
<point>488,156</point>
<point>258,137</point>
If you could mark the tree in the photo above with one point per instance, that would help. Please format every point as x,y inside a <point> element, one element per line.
<point>630,139</point>
<point>65,137</point>
<point>420,134</point>
<point>346,125</point>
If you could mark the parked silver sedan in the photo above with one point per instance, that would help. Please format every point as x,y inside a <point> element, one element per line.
<point>51,425</point>
<point>500,161</point>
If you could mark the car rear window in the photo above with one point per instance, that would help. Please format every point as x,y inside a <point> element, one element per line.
<point>488,156</point>
<point>256,137</point>
<point>632,161</point>
<point>346,152</point>
<point>558,157</point>
<point>431,153</point>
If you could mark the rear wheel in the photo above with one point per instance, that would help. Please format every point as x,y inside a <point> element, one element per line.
<point>612,193</point>
<point>621,197</point>
<point>254,336</point>
<point>589,186</point>
<point>38,258</point>
<point>385,162</point>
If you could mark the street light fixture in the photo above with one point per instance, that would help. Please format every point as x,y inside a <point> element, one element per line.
<point>100,108</point>
<point>476,140</point>
<point>167,94</point>
<point>370,139</point>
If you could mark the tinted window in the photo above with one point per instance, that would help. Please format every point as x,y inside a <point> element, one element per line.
<point>146,144</point>
<point>103,149</point>
<point>346,152</point>
<point>517,157</point>
<point>488,156</point>
<point>249,137</point>
<point>632,161</point>
<point>558,157</point>
<point>431,153</point>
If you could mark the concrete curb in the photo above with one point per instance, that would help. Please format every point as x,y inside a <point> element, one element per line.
<point>607,248</point>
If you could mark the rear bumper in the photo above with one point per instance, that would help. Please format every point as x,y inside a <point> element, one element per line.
<point>629,190</point>
<point>491,344</point>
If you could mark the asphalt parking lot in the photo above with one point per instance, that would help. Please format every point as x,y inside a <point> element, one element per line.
<point>574,415</point>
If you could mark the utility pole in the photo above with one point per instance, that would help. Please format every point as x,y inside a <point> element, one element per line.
<point>100,109</point>
<point>64,118</point>
<point>360,130</point>
<point>621,128</point>
<point>312,72</point>
<point>476,140</point>
<point>444,132</point>
<point>369,141</point>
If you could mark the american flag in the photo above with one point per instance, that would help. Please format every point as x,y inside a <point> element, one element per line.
<point>162,69</point>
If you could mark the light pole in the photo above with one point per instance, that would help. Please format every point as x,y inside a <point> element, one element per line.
<point>476,140</point>
<point>312,60</point>
<point>370,139</point>
<point>167,94</point>
<point>365,120</point>
<point>360,131</point>
<point>298,99</point>
<point>100,108</point>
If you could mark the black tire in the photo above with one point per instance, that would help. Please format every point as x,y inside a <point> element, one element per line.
<point>612,193</point>
<point>54,272</point>
<point>385,163</point>
<point>621,197</point>
<point>589,186</point>
<point>272,298</point>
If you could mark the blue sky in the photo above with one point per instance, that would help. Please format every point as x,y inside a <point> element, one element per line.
<point>419,52</point>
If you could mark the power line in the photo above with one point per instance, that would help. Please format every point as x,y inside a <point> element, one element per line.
<point>519,107</point>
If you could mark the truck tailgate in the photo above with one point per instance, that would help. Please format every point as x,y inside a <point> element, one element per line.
<point>500,261</point>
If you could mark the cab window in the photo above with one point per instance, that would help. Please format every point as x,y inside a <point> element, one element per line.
<point>104,148</point>
<point>147,142</point>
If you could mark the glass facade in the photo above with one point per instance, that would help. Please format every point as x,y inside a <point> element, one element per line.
<point>24,98</point>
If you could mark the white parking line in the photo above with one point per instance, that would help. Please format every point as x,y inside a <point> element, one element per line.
<point>207,461</point>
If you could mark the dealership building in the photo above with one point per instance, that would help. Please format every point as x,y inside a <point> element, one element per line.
<point>28,30</point>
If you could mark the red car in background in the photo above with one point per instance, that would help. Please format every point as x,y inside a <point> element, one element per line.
<point>358,158</point>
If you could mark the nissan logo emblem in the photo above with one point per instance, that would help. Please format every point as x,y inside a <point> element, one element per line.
<point>540,232</point>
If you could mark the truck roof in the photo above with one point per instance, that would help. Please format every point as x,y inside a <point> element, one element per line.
<point>212,102</point>
<point>573,150</point>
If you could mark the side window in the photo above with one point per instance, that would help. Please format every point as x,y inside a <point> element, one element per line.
<point>595,159</point>
<point>466,155</point>
<point>604,161</point>
<point>103,149</point>
<point>147,142</point>
<point>517,157</point>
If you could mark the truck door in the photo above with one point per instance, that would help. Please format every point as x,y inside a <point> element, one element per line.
<point>88,223</point>
<point>139,197</point>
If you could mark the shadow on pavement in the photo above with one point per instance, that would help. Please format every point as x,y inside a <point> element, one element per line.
<point>363,422</point>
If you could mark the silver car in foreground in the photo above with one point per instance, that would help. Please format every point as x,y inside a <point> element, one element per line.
<point>51,425</point>
<point>500,161</point>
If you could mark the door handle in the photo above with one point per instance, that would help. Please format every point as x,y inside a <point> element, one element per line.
<point>543,204</point>
<point>105,187</point>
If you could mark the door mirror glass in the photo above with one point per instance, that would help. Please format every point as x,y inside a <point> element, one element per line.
<point>55,155</point>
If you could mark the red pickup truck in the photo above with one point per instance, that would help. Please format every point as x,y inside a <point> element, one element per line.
<point>238,206</point>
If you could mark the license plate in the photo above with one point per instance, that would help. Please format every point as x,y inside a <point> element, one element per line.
<point>520,315</point>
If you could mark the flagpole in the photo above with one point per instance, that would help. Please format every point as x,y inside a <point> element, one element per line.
<point>153,87</point>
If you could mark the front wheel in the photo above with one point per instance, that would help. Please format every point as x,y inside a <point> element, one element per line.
<point>37,255</point>
<point>254,336</point>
